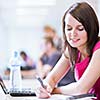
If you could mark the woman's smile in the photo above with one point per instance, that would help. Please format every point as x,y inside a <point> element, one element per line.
<point>74,40</point>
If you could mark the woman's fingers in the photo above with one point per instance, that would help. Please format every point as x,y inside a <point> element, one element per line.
<point>42,93</point>
<point>48,87</point>
<point>42,89</point>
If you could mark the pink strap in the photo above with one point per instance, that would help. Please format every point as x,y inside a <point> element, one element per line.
<point>97,46</point>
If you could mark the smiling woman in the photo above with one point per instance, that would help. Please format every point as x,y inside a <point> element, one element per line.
<point>82,50</point>
<point>22,21</point>
<point>75,32</point>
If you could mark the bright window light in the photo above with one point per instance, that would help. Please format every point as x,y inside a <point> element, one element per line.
<point>35,2</point>
<point>29,21</point>
<point>31,11</point>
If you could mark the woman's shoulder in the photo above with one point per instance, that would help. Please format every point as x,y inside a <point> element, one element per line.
<point>66,53</point>
<point>97,46</point>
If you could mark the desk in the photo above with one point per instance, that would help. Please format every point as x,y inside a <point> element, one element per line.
<point>27,83</point>
<point>53,97</point>
<point>7,97</point>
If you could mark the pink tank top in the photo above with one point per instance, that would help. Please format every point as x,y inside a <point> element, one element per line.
<point>80,67</point>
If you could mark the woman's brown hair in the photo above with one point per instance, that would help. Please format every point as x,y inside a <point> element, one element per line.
<point>85,14</point>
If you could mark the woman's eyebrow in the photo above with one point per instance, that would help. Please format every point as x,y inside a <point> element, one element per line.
<point>68,25</point>
<point>79,25</point>
<point>71,25</point>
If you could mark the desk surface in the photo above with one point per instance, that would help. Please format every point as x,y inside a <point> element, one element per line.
<point>27,83</point>
<point>53,97</point>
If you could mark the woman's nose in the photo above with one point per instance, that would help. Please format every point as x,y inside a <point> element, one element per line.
<point>73,33</point>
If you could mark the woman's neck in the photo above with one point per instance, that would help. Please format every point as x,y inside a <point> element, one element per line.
<point>83,52</point>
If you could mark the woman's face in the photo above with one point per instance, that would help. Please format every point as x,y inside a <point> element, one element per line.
<point>75,32</point>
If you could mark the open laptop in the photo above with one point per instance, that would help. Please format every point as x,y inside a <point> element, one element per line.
<point>16,93</point>
<point>25,92</point>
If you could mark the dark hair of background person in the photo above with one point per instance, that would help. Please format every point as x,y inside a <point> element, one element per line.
<point>85,14</point>
<point>23,53</point>
<point>49,28</point>
<point>49,40</point>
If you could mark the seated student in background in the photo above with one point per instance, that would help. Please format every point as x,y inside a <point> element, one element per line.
<point>28,67</point>
<point>28,62</point>
<point>49,57</point>
<point>82,53</point>
<point>51,32</point>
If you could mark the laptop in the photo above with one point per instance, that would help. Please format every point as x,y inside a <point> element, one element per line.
<point>16,93</point>
<point>26,92</point>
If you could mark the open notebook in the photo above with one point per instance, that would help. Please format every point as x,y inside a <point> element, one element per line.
<point>15,93</point>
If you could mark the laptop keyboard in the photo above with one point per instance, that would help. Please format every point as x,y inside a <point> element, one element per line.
<point>18,94</point>
<point>23,92</point>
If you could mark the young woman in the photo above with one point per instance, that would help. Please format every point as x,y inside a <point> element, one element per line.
<point>82,53</point>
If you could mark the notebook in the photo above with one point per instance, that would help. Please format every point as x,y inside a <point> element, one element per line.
<point>16,93</point>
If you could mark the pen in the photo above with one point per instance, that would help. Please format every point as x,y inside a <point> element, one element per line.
<point>40,80</point>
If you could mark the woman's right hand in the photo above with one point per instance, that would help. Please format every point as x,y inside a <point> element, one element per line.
<point>43,92</point>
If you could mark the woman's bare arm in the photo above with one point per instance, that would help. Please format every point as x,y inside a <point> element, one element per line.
<point>58,71</point>
<point>87,80</point>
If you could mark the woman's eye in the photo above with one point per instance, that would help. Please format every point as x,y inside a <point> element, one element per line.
<point>81,29</point>
<point>69,29</point>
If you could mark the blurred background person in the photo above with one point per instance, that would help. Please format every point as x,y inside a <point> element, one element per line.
<point>27,62</point>
<point>51,32</point>
<point>49,57</point>
<point>28,68</point>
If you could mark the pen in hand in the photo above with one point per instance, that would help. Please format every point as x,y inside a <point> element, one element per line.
<point>42,84</point>
<point>40,80</point>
